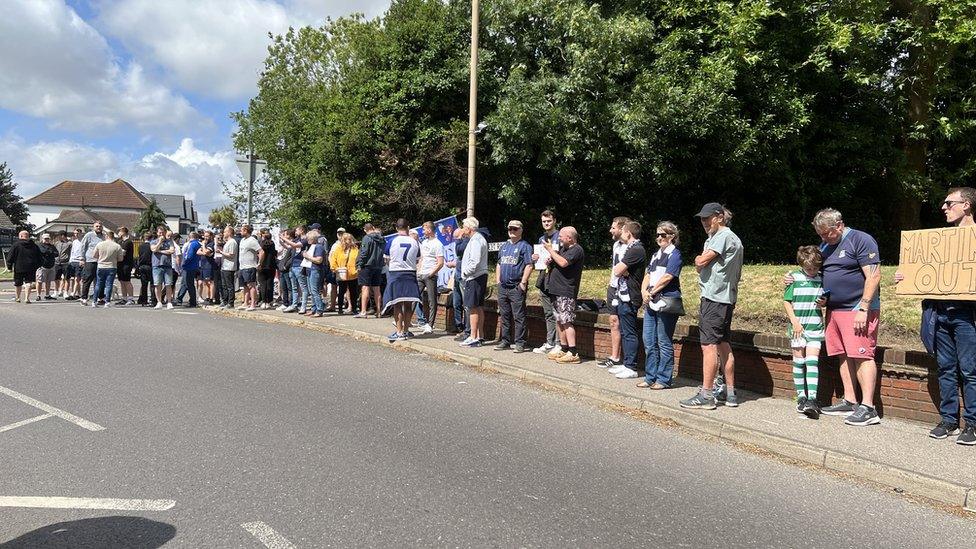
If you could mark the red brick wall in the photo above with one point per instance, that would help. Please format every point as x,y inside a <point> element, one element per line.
<point>908,387</point>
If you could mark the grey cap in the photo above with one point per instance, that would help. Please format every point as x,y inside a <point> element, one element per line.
<point>710,209</point>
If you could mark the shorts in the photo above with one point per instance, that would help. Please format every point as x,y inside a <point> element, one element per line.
<point>804,343</point>
<point>74,269</point>
<point>714,322</point>
<point>60,271</point>
<point>45,274</point>
<point>370,276</point>
<point>162,276</point>
<point>123,273</point>
<point>248,276</point>
<point>841,339</point>
<point>21,278</point>
<point>473,292</point>
<point>564,309</point>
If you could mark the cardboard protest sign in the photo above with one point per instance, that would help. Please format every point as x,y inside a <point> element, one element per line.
<point>938,263</point>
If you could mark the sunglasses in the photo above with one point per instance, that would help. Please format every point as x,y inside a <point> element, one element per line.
<point>949,203</point>
<point>515,228</point>
<point>662,235</point>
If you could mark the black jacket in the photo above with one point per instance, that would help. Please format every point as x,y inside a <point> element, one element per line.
<point>371,252</point>
<point>24,257</point>
<point>145,254</point>
<point>49,254</point>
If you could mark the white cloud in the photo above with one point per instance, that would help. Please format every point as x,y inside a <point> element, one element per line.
<point>215,48</point>
<point>55,66</point>
<point>189,171</point>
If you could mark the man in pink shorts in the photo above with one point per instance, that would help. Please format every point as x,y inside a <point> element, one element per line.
<point>851,277</point>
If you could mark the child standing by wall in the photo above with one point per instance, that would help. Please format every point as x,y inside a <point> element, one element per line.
<point>806,329</point>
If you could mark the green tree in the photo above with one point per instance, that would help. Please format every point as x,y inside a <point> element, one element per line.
<point>150,218</point>
<point>10,202</point>
<point>222,216</point>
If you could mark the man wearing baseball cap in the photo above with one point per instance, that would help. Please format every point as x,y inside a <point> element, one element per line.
<point>512,277</point>
<point>45,273</point>
<point>719,268</point>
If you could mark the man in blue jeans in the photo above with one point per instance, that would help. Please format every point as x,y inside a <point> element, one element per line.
<point>191,268</point>
<point>627,299</point>
<point>457,300</point>
<point>949,332</point>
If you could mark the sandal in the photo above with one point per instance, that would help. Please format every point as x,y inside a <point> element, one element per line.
<point>644,385</point>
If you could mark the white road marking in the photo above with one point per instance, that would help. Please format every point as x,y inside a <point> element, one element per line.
<point>13,426</point>
<point>185,313</point>
<point>267,536</point>
<point>87,503</point>
<point>80,422</point>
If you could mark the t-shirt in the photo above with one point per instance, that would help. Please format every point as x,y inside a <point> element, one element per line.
<point>249,253</point>
<point>270,255</point>
<point>565,281</point>
<point>665,261</point>
<point>615,256</point>
<point>430,250</point>
<point>145,255</point>
<point>404,252</point>
<point>76,254</point>
<point>230,256</point>
<point>159,259</point>
<point>109,254</point>
<point>319,251</point>
<point>88,243</point>
<point>635,258</point>
<point>128,258</point>
<point>191,261</point>
<point>842,274</point>
<point>512,259</point>
<point>719,280</point>
<point>803,293</point>
<point>296,261</point>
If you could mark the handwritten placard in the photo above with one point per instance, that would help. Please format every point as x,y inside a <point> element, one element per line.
<point>938,263</point>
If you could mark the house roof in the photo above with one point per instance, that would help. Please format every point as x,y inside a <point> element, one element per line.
<point>80,194</point>
<point>5,222</point>
<point>171,204</point>
<point>110,220</point>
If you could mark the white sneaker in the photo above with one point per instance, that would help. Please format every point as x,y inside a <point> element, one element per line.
<point>130,302</point>
<point>543,349</point>
<point>107,305</point>
<point>290,309</point>
<point>617,369</point>
<point>626,374</point>
<point>280,308</point>
<point>467,342</point>
<point>241,307</point>
<point>94,304</point>
<point>427,329</point>
<point>158,306</point>
<point>84,302</point>
<point>249,309</point>
<point>169,306</point>
<point>264,307</point>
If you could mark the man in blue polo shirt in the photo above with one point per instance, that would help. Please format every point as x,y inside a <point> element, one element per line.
<point>512,278</point>
<point>851,277</point>
<point>191,267</point>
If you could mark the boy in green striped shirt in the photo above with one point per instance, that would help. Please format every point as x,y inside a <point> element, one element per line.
<point>806,329</point>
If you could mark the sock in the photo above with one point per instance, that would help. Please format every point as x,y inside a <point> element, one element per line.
<point>572,349</point>
<point>798,381</point>
<point>813,376</point>
<point>730,391</point>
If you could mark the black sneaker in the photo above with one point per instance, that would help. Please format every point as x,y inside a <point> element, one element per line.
<point>800,402</point>
<point>863,416</point>
<point>503,346</point>
<point>811,409</point>
<point>944,429</point>
<point>610,363</point>
<point>842,408</point>
<point>968,435</point>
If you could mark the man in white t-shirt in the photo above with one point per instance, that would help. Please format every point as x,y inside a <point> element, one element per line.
<point>614,360</point>
<point>248,260</point>
<point>431,262</point>
<point>228,269</point>
<point>401,281</point>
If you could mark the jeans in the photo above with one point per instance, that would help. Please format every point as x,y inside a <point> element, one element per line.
<point>146,294</point>
<point>315,279</point>
<point>227,287</point>
<point>659,346</point>
<point>511,309</point>
<point>955,351</point>
<point>266,285</point>
<point>299,288</point>
<point>189,284</point>
<point>87,277</point>
<point>284,287</point>
<point>103,285</point>
<point>627,315</point>
<point>430,285</point>
<point>460,319</point>
<point>552,337</point>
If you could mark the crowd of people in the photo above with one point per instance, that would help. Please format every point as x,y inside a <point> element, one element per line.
<point>831,299</point>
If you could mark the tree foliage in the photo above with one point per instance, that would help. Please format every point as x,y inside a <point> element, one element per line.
<point>223,216</point>
<point>10,202</point>
<point>149,219</point>
<point>776,108</point>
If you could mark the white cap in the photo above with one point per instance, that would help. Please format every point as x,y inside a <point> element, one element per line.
<point>46,236</point>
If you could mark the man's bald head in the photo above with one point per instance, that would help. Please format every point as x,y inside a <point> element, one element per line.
<point>568,235</point>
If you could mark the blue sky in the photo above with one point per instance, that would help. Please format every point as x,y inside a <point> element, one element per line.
<point>137,89</point>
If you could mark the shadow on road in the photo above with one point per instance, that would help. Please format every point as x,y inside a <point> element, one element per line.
<point>102,532</point>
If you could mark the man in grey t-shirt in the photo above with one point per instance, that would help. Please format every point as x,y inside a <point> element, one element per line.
<point>719,268</point>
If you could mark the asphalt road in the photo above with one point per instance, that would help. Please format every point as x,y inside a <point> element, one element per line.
<point>327,441</point>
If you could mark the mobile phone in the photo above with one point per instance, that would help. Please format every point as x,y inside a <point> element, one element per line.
<point>825,294</point>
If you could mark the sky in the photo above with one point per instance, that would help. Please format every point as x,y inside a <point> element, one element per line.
<point>142,90</point>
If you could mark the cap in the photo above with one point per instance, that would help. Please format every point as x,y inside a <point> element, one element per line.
<point>515,223</point>
<point>341,230</point>
<point>710,209</point>
<point>46,236</point>
<point>315,226</point>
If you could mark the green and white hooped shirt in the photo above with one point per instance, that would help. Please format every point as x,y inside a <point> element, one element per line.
<point>803,293</point>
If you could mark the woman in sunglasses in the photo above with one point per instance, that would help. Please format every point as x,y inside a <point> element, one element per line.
<point>661,291</point>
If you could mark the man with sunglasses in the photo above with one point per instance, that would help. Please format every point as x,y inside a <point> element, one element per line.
<point>949,333</point>
<point>512,277</point>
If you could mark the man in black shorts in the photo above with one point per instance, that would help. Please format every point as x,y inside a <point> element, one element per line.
<point>370,267</point>
<point>24,260</point>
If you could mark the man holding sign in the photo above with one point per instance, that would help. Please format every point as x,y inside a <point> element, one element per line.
<point>949,332</point>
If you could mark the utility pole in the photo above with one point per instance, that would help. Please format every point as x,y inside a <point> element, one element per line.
<point>250,185</point>
<point>473,105</point>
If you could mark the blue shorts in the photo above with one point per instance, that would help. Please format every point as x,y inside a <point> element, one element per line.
<point>74,269</point>
<point>248,276</point>
<point>370,276</point>
<point>162,275</point>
